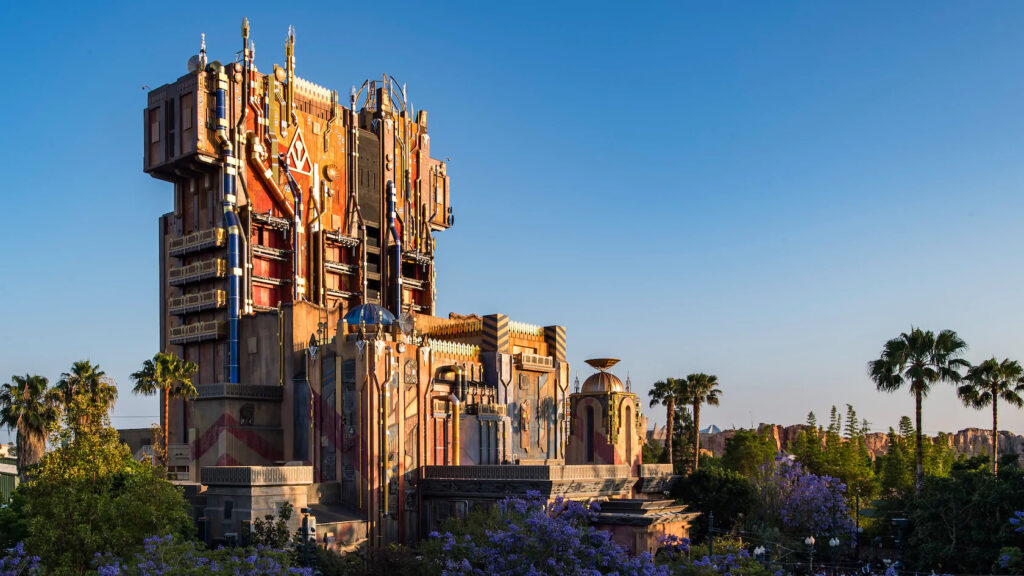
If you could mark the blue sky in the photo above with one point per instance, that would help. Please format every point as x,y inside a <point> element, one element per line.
<point>766,191</point>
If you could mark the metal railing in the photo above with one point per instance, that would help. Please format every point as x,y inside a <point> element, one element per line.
<point>196,241</point>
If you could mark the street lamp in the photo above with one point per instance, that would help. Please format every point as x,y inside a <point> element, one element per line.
<point>833,545</point>
<point>810,551</point>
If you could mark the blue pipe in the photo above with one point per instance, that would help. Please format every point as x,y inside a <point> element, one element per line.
<point>392,217</point>
<point>231,219</point>
<point>297,199</point>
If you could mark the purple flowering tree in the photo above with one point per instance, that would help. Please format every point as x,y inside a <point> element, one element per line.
<point>165,555</point>
<point>17,563</point>
<point>803,503</point>
<point>532,537</point>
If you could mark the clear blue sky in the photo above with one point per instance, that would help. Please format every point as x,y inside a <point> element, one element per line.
<point>766,191</point>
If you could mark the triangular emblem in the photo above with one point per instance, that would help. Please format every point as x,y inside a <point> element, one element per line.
<point>298,156</point>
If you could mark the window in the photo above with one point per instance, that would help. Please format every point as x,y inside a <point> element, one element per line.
<point>589,435</point>
<point>229,506</point>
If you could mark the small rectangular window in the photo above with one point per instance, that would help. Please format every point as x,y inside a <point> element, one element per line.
<point>228,508</point>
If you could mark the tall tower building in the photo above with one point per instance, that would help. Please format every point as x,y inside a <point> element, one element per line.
<point>285,199</point>
<point>297,271</point>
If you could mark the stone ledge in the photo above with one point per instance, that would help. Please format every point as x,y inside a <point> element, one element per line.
<point>654,470</point>
<point>256,475</point>
<point>525,472</point>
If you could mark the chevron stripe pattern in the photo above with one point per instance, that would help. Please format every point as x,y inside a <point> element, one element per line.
<point>496,333</point>
<point>555,337</point>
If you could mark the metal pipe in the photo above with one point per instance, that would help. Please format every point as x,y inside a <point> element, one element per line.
<point>392,217</point>
<point>297,280</point>
<point>268,179</point>
<point>229,169</point>
<point>456,440</point>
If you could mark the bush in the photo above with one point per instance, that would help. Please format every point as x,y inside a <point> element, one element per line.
<point>90,496</point>
<point>729,495</point>
<point>167,555</point>
<point>16,562</point>
<point>531,536</point>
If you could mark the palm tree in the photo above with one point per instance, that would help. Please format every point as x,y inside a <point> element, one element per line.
<point>919,359</point>
<point>666,393</point>
<point>989,382</point>
<point>170,375</point>
<point>27,405</point>
<point>700,389</point>
<point>87,384</point>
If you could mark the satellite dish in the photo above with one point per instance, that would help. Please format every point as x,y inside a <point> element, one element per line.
<point>406,322</point>
<point>193,64</point>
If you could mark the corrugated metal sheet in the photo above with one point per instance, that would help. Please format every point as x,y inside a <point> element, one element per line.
<point>8,482</point>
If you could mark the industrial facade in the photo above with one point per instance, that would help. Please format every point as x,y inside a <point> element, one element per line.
<point>297,271</point>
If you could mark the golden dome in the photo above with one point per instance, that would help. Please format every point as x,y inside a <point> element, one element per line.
<point>603,382</point>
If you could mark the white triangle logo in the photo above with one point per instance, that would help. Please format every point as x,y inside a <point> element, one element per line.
<point>298,156</point>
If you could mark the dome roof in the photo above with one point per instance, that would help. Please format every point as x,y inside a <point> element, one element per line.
<point>603,382</point>
<point>370,314</point>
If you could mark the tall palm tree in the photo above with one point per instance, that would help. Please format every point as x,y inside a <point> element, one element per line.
<point>667,393</point>
<point>170,375</point>
<point>31,408</point>
<point>87,384</point>
<point>919,359</point>
<point>988,383</point>
<point>700,389</point>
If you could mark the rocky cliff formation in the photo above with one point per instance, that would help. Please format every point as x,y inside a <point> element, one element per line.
<point>969,441</point>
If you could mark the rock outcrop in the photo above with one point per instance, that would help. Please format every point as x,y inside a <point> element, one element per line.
<point>967,442</point>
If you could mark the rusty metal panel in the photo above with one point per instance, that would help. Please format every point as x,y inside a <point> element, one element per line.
<point>369,185</point>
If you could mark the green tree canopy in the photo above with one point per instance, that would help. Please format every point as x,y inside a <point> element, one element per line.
<point>917,360</point>
<point>700,389</point>
<point>170,376</point>
<point>32,409</point>
<point>89,495</point>
<point>988,383</point>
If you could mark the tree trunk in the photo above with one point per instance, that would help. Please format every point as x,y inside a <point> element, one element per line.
<point>671,407</point>
<point>31,446</point>
<point>167,411</point>
<point>995,435</point>
<point>919,479</point>
<point>696,435</point>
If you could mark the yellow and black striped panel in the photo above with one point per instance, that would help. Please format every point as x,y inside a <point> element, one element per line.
<point>555,337</point>
<point>496,333</point>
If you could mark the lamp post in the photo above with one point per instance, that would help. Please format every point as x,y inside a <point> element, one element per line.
<point>833,545</point>
<point>810,552</point>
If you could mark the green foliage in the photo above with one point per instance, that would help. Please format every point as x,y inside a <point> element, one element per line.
<point>839,451</point>
<point>90,496</point>
<point>169,376</point>
<point>729,556</point>
<point>653,452</point>
<point>1009,561</point>
<point>988,383</point>
<point>896,468</point>
<point>699,389</point>
<point>682,454</point>
<point>747,451</point>
<point>916,361</point>
<point>393,559</point>
<point>32,409</point>
<point>727,493</point>
<point>13,525</point>
<point>169,555</point>
<point>89,392</point>
<point>271,531</point>
<point>962,522</point>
